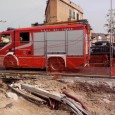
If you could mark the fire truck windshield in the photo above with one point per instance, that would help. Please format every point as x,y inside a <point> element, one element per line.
<point>4,39</point>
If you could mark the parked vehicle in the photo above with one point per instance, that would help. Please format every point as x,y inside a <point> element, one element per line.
<point>103,47</point>
<point>54,47</point>
<point>100,53</point>
<point>100,47</point>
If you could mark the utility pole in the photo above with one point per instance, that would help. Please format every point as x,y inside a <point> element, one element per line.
<point>111,36</point>
<point>111,28</point>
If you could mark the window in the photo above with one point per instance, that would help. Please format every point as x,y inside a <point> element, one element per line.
<point>77,16</point>
<point>73,15</point>
<point>5,39</point>
<point>24,37</point>
<point>70,13</point>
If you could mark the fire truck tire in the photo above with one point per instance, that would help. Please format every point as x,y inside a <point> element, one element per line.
<point>56,64</point>
<point>10,62</point>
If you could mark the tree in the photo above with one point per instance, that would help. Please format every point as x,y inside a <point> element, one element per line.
<point>110,25</point>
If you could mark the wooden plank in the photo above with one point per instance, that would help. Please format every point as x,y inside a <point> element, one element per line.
<point>41,92</point>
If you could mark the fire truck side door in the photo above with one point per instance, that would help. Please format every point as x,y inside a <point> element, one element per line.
<point>23,44</point>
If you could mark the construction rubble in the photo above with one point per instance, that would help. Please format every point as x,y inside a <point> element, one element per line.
<point>54,96</point>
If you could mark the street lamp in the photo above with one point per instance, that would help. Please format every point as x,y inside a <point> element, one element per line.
<point>2,21</point>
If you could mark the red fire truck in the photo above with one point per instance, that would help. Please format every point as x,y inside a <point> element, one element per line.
<point>56,47</point>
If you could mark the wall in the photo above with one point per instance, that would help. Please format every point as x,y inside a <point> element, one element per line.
<point>59,10</point>
<point>51,13</point>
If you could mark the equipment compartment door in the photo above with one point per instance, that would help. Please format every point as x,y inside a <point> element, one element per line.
<point>75,42</point>
<point>56,42</point>
<point>39,44</point>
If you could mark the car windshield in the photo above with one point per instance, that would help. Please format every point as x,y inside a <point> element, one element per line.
<point>4,39</point>
<point>102,43</point>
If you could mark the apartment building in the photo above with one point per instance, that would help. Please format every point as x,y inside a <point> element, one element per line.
<point>62,10</point>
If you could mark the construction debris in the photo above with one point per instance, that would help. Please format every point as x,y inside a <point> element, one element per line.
<point>54,98</point>
<point>79,94</point>
<point>12,95</point>
<point>27,95</point>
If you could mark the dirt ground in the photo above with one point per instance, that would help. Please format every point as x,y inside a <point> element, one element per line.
<point>98,101</point>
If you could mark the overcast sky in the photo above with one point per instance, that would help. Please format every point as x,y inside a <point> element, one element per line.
<point>22,13</point>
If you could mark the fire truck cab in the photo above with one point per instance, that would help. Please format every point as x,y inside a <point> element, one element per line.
<point>54,47</point>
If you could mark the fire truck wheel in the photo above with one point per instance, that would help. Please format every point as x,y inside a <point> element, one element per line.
<point>56,64</point>
<point>10,62</point>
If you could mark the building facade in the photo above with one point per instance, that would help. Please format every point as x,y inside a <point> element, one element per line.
<point>62,10</point>
<point>102,37</point>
